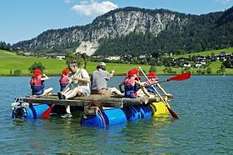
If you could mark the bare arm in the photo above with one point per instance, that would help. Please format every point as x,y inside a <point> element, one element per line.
<point>44,77</point>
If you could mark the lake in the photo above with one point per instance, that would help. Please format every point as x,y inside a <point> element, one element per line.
<point>203,103</point>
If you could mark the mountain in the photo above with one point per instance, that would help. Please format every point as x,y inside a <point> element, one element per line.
<point>138,31</point>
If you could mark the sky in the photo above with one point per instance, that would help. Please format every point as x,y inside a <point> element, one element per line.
<point>25,19</point>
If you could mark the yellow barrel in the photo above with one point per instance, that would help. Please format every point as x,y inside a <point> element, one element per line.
<point>159,109</point>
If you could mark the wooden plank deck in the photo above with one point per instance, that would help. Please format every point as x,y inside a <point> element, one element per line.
<point>95,100</point>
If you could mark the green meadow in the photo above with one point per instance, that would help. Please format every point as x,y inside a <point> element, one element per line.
<point>206,53</point>
<point>11,62</point>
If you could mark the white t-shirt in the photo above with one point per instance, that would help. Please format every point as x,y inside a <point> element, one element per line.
<point>80,73</point>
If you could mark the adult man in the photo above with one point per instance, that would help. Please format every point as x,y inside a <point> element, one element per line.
<point>100,77</point>
<point>79,85</point>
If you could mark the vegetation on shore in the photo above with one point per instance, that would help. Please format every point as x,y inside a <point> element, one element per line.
<point>12,64</point>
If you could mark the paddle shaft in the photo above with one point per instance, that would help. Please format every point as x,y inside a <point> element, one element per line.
<point>165,102</point>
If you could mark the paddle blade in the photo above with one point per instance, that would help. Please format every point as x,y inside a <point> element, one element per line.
<point>46,114</point>
<point>180,77</point>
<point>174,115</point>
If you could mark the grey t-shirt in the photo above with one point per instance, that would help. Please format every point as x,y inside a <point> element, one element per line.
<point>99,79</point>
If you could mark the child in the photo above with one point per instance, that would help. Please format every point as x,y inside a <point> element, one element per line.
<point>64,79</point>
<point>37,83</point>
<point>153,79</point>
<point>131,83</point>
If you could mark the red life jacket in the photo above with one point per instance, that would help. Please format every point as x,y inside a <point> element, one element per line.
<point>36,81</point>
<point>64,79</point>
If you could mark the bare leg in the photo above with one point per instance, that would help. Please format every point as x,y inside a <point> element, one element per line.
<point>47,91</point>
<point>73,93</point>
<point>116,91</point>
<point>146,92</point>
<point>66,90</point>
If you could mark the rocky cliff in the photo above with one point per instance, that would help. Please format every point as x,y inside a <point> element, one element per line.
<point>117,24</point>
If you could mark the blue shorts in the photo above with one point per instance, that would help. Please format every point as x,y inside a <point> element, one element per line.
<point>37,90</point>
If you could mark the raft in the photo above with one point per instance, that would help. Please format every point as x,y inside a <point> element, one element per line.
<point>98,111</point>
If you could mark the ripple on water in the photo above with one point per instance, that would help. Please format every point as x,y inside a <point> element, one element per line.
<point>204,105</point>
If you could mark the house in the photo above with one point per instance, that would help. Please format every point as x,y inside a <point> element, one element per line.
<point>198,65</point>
<point>142,56</point>
<point>187,65</point>
<point>113,58</point>
<point>60,57</point>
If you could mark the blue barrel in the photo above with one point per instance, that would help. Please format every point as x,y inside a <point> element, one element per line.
<point>94,121</point>
<point>115,116</point>
<point>36,111</point>
<point>133,113</point>
<point>146,111</point>
<point>33,111</point>
<point>106,118</point>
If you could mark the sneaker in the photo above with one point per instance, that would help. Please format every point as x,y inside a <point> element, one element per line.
<point>59,94</point>
<point>63,97</point>
<point>68,115</point>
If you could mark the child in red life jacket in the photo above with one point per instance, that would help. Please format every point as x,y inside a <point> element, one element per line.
<point>152,82</point>
<point>64,79</point>
<point>131,83</point>
<point>152,79</point>
<point>37,82</point>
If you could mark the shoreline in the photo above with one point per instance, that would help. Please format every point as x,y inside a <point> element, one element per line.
<point>28,75</point>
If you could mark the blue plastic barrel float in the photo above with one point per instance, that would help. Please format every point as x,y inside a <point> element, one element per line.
<point>107,117</point>
<point>132,113</point>
<point>146,111</point>
<point>137,112</point>
<point>33,111</point>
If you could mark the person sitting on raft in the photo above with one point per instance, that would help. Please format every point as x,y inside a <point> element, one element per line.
<point>100,77</point>
<point>132,84</point>
<point>79,85</point>
<point>153,81</point>
<point>37,83</point>
<point>64,79</point>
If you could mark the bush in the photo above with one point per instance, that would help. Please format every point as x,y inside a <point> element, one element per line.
<point>152,69</point>
<point>17,72</point>
<point>208,70</point>
<point>36,65</point>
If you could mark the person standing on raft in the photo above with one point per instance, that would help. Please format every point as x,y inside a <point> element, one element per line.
<point>79,85</point>
<point>99,85</point>
<point>37,83</point>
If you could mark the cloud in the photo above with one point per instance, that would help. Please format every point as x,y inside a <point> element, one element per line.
<point>94,8</point>
<point>224,1</point>
<point>68,1</point>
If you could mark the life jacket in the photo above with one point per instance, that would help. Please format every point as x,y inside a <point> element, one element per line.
<point>64,80</point>
<point>150,88</point>
<point>36,81</point>
<point>130,88</point>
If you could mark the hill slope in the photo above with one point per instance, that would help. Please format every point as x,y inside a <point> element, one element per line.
<point>121,30</point>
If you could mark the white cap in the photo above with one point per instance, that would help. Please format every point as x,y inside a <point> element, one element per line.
<point>102,64</point>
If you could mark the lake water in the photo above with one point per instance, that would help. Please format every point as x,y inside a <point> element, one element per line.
<point>203,103</point>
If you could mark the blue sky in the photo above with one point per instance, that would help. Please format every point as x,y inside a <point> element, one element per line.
<point>25,19</point>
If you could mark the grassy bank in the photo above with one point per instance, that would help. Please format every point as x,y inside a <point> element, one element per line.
<point>10,62</point>
<point>206,53</point>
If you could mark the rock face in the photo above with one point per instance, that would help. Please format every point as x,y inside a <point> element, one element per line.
<point>116,23</point>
